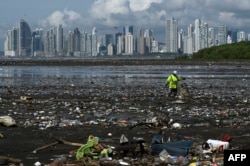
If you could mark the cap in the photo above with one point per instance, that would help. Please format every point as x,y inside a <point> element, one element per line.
<point>175,72</point>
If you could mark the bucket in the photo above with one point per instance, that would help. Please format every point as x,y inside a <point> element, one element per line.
<point>218,145</point>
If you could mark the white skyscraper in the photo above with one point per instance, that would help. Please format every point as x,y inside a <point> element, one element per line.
<point>211,37</point>
<point>120,44</point>
<point>197,24</point>
<point>190,43</point>
<point>172,36</point>
<point>203,37</point>
<point>222,34</point>
<point>94,42</point>
<point>180,41</point>
<point>11,42</point>
<point>241,36</point>
<point>129,43</point>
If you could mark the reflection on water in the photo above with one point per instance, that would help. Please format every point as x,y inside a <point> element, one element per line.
<point>28,75</point>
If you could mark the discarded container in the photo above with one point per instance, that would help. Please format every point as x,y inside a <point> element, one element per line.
<point>218,145</point>
<point>37,163</point>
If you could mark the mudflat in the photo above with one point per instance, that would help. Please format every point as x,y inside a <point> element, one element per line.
<point>108,108</point>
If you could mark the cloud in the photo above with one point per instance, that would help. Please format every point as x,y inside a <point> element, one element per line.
<point>155,12</point>
<point>136,5</point>
<point>66,18</point>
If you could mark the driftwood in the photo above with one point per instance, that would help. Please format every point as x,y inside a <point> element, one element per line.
<point>68,143</point>
<point>10,160</point>
<point>59,140</point>
<point>141,124</point>
<point>45,146</point>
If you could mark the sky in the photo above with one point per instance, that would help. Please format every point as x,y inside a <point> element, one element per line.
<point>110,16</point>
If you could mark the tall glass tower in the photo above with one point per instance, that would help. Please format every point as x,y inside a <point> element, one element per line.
<point>222,34</point>
<point>24,39</point>
<point>172,36</point>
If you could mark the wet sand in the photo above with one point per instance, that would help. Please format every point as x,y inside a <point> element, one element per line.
<point>86,103</point>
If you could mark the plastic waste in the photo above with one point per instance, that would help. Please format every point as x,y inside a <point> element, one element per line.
<point>37,163</point>
<point>7,121</point>
<point>218,145</point>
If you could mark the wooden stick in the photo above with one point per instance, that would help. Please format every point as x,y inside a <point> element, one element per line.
<point>67,142</point>
<point>11,160</point>
<point>45,146</point>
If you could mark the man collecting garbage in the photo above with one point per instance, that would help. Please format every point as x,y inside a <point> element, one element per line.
<point>172,83</point>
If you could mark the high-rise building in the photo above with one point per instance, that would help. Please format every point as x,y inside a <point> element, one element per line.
<point>203,36</point>
<point>140,42</point>
<point>233,33</point>
<point>148,36</point>
<point>109,39</point>
<point>37,42</point>
<point>84,37</point>
<point>241,36</point>
<point>197,24</point>
<point>59,40</point>
<point>94,42</point>
<point>128,29</point>
<point>50,42</point>
<point>24,38</point>
<point>129,43</point>
<point>180,41</point>
<point>155,46</point>
<point>120,45</point>
<point>211,37</point>
<point>11,42</point>
<point>222,34</point>
<point>190,40</point>
<point>172,36</point>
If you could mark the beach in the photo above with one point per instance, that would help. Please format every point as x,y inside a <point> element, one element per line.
<point>106,107</point>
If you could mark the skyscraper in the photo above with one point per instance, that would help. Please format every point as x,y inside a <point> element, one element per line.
<point>128,29</point>
<point>24,38</point>
<point>59,40</point>
<point>37,42</point>
<point>190,39</point>
<point>203,37</point>
<point>197,25</point>
<point>109,39</point>
<point>94,42</point>
<point>172,36</point>
<point>222,34</point>
<point>140,42</point>
<point>241,36</point>
<point>11,42</point>
<point>129,43</point>
<point>148,36</point>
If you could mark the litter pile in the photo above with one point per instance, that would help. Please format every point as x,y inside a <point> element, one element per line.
<point>60,121</point>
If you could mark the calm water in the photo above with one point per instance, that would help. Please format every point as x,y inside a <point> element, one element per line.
<point>33,75</point>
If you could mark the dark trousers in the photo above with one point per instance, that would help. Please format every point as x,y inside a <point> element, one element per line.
<point>172,92</point>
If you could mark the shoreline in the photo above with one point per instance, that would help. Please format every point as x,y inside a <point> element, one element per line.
<point>114,61</point>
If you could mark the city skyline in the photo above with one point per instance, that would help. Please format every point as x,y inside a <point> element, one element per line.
<point>110,15</point>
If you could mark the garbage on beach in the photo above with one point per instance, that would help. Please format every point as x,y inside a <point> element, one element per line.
<point>7,121</point>
<point>176,126</point>
<point>218,145</point>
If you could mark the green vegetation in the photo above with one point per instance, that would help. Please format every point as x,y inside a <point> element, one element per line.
<point>235,51</point>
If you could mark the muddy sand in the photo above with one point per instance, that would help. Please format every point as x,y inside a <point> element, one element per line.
<point>107,108</point>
